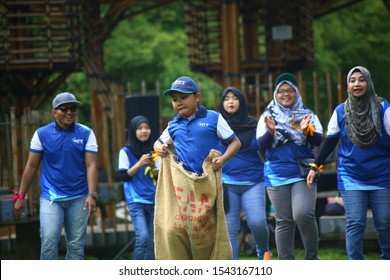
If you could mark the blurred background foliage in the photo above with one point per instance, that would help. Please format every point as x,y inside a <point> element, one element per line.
<point>152,47</point>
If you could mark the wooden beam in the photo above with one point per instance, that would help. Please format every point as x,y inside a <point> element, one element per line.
<point>58,81</point>
<point>387,4</point>
<point>117,13</point>
<point>251,36</point>
<point>16,153</point>
<point>330,95</point>
<point>231,43</point>
<point>327,7</point>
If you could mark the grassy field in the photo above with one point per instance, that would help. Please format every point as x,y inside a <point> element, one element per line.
<point>328,251</point>
<point>325,254</point>
<point>333,253</point>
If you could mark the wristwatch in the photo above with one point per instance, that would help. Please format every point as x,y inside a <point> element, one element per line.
<point>94,195</point>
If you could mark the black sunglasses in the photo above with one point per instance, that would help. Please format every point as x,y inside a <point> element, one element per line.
<point>64,108</point>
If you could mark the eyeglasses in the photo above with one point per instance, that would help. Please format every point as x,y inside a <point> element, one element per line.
<point>289,91</point>
<point>64,108</point>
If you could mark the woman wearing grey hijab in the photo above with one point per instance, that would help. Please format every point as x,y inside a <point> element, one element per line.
<point>362,123</point>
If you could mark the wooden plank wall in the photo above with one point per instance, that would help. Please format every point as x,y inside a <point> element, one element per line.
<point>40,34</point>
<point>9,175</point>
<point>318,92</point>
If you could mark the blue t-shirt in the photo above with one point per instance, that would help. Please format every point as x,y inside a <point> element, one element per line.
<point>193,139</point>
<point>140,188</point>
<point>360,168</point>
<point>64,174</point>
<point>245,168</point>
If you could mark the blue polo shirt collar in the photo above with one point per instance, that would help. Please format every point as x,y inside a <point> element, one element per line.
<point>201,113</point>
<point>59,128</point>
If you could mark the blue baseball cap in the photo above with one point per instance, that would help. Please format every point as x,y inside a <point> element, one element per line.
<point>184,85</point>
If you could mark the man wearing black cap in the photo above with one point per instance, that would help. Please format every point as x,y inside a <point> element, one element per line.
<point>68,152</point>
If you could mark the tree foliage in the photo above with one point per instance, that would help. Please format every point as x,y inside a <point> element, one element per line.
<point>358,35</point>
<point>152,47</point>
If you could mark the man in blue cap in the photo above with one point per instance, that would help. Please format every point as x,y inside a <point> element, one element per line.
<point>68,152</point>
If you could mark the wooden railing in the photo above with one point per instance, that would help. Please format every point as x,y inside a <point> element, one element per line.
<point>40,34</point>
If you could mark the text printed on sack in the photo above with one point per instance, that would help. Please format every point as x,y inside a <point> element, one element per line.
<point>195,214</point>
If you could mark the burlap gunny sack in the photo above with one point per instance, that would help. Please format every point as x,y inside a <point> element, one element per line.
<point>189,220</point>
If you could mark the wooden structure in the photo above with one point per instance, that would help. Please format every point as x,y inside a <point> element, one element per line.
<point>43,42</point>
<point>235,42</point>
<point>229,38</point>
<point>240,43</point>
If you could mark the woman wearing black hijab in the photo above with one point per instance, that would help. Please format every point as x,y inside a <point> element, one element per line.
<point>242,176</point>
<point>137,168</point>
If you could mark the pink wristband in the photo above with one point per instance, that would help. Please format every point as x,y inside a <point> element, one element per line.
<point>17,196</point>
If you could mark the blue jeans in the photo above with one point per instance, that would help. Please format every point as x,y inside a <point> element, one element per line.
<point>70,215</point>
<point>356,204</point>
<point>252,200</point>
<point>142,216</point>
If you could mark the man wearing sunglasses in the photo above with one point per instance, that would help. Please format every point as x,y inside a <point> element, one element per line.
<point>68,153</point>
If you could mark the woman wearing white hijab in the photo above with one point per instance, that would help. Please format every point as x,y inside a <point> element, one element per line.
<point>288,131</point>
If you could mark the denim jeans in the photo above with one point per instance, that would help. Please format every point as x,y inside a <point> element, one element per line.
<point>70,215</point>
<point>356,204</point>
<point>142,217</point>
<point>294,205</point>
<point>252,200</point>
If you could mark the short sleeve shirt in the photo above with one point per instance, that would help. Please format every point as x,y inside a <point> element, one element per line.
<point>64,174</point>
<point>193,139</point>
<point>361,168</point>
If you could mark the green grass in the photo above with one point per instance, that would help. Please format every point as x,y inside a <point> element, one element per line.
<point>327,252</point>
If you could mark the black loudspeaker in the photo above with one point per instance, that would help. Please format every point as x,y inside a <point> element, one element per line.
<point>147,106</point>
